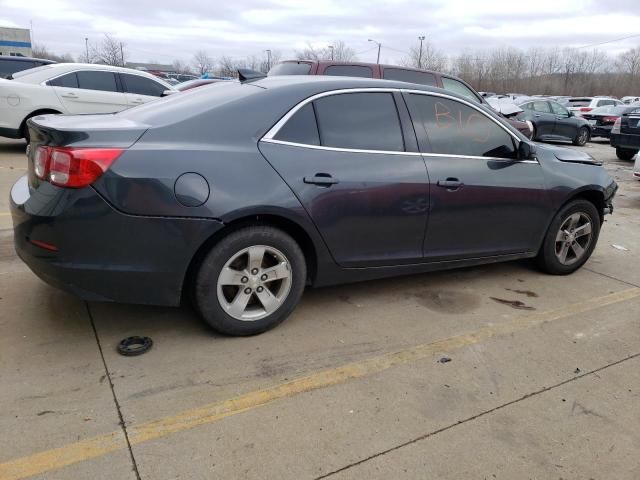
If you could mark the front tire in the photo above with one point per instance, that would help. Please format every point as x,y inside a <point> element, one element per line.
<point>571,238</point>
<point>250,281</point>
<point>625,153</point>
<point>582,137</point>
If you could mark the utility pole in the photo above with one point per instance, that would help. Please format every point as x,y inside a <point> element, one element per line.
<point>379,46</point>
<point>121,54</point>
<point>421,38</point>
<point>331,48</point>
<point>86,47</point>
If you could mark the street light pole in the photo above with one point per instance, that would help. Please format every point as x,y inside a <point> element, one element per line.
<point>379,45</point>
<point>86,46</point>
<point>421,38</point>
<point>268,59</point>
<point>331,48</point>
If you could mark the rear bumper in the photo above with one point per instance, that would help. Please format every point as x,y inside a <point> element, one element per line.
<point>597,131</point>
<point>625,140</point>
<point>103,254</point>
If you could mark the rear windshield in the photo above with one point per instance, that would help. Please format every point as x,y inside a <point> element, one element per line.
<point>290,68</point>
<point>24,73</point>
<point>578,102</point>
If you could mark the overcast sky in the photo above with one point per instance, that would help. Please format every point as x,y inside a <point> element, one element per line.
<point>164,30</point>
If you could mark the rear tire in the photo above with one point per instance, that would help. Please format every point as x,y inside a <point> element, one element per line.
<point>250,281</point>
<point>571,238</point>
<point>582,137</point>
<point>625,153</point>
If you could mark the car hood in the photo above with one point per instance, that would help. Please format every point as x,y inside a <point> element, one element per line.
<point>569,155</point>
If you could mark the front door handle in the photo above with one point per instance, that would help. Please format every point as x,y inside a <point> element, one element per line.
<point>322,179</point>
<point>450,183</point>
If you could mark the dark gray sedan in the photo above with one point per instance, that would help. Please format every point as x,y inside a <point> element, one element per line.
<point>239,196</point>
<point>553,122</point>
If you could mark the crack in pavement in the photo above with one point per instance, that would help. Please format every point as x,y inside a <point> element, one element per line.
<point>479,415</point>
<point>113,392</point>
<point>610,277</point>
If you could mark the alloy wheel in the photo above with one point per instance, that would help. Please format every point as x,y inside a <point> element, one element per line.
<point>574,238</point>
<point>254,282</point>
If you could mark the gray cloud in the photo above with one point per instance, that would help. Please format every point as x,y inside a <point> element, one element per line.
<point>163,30</point>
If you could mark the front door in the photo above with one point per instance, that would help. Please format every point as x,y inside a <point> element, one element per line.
<point>566,125</point>
<point>542,117</point>
<point>349,169</point>
<point>483,201</point>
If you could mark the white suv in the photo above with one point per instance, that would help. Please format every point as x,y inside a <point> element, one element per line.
<point>581,105</point>
<point>73,88</point>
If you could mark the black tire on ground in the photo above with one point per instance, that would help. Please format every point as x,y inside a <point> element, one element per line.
<point>625,153</point>
<point>206,282</point>
<point>582,137</point>
<point>547,259</point>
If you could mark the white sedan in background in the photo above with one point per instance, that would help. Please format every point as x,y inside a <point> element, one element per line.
<point>636,167</point>
<point>73,88</point>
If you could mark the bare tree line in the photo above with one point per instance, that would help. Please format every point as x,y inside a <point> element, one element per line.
<point>551,71</point>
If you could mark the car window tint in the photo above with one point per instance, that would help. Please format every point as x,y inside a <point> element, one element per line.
<point>7,67</point>
<point>301,127</point>
<point>542,107</point>
<point>103,81</point>
<point>141,85</point>
<point>290,68</point>
<point>602,103</point>
<point>367,121</point>
<point>558,109</point>
<point>456,129</point>
<point>410,76</point>
<point>349,71</point>
<point>459,87</point>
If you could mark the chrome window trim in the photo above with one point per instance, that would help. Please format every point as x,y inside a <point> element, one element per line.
<point>273,131</point>
<point>391,152</point>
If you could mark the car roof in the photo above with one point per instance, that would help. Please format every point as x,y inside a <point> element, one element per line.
<point>26,59</point>
<point>321,83</point>
<point>46,72</point>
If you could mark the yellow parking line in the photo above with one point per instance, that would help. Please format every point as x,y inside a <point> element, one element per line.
<point>98,446</point>
<point>5,214</point>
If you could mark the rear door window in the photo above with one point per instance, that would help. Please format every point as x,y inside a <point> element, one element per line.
<point>364,121</point>
<point>69,81</point>
<point>460,88</point>
<point>410,76</point>
<point>102,81</point>
<point>301,128</point>
<point>454,128</point>
<point>141,85</point>
<point>349,71</point>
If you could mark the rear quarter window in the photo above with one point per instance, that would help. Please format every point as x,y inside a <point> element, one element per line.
<point>291,68</point>
<point>349,71</point>
<point>301,128</point>
<point>69,81</point>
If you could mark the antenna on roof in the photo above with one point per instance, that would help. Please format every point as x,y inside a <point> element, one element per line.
<point>247,75</point>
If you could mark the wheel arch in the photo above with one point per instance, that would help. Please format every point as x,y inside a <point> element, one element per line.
<point>280,221</point>
<point>41,111</point>
<point>592,194</point>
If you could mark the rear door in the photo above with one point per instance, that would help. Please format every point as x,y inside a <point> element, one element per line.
<point>483,201</point>
<point>139,89</point>
<point>96,92</point>
<point>352,171</point>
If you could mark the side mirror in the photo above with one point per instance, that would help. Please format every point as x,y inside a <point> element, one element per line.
<point>526,151</point>
<point>166,93</point>
<point>570,113</point>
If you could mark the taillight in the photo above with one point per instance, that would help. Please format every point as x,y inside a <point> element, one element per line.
<point>616,126</point>
<point>609,119</point>
<point>73,167</point>
<point>586,109</point>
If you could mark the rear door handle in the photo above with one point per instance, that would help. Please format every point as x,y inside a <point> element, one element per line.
<point>69,95</point>
<point>323,179</point>
<point>450,183</point>
<point>537,115</point>
<point>137,101</point>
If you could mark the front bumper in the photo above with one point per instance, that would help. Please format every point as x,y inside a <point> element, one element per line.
<point>103,254</point>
